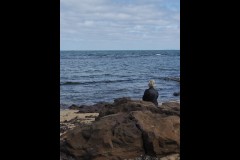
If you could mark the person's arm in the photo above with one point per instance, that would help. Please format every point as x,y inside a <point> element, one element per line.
<point>147,95</point>
<point>143,97</point>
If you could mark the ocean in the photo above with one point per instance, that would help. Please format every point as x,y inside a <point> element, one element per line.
<point>89,77</point>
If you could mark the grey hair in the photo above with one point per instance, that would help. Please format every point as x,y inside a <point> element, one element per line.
<point>151,83</point>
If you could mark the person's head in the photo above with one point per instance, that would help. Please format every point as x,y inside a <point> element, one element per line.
<point>151,83</point>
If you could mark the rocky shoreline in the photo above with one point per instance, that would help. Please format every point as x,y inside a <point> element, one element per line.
<point>126,129</point>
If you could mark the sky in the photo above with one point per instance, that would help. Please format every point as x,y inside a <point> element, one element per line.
<point>119,24</point>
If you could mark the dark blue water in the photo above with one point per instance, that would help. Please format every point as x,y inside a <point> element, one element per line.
<point>88,77</point>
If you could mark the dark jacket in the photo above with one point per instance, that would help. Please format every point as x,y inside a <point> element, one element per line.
<point>151,95</point>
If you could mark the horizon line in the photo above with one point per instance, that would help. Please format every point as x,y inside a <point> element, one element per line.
<point>116,49</point>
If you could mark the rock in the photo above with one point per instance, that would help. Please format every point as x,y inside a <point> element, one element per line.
<point>63,128</point>
<point>91,116</point>
<point>74,107</point>
<point>176,94</point>
<point>64,156</point>
<point>122,100</point>
<point>122,136</point>
<point>96,108</point>
<point>126,129</point>
<point>123,105</point>
<point>170,108</point>
<point>89,108</point>
<point>127,105</point>
<point>160,134</point>
<point>171,157</point>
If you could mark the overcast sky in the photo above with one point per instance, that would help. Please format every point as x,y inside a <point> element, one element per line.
<point>119,24</point>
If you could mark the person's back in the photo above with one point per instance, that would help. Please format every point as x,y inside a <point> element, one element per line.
<point>151,94</point>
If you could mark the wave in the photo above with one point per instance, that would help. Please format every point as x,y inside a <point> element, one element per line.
<point>70,83</point>
<point>177,79</point>
<point>96,82</point>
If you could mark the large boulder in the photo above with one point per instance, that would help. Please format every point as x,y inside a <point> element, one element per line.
<point>127,105</point>
<point>122,136</point>
<point>161,135</point>
<point>170,108</point>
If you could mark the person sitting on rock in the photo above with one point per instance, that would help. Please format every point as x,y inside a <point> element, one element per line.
<point>151,94</point>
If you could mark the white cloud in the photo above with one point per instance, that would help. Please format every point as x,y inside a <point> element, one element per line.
<point>113,21</point>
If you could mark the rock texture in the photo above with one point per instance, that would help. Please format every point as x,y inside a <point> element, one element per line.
<point>126,129</point>
<point>96,108</point>
<point>71,118</point>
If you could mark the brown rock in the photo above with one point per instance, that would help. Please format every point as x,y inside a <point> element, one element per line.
<point>127,105</point>
<point>74,107</point>
<point>161,135</point>
<point>126,129</point>
<point>122,135</point>
<point>170,108</point>
<point>96,108</point>
<point>121,100</point>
